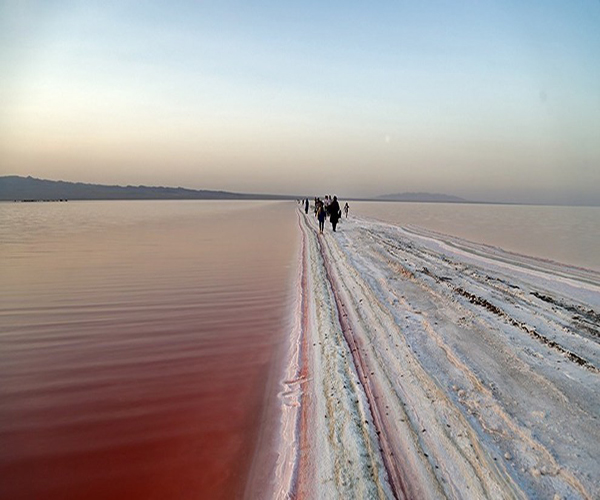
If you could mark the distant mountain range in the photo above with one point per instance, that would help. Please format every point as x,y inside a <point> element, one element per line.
<point>19,188</point>
<point>422,197</point>
<point>30,189</point>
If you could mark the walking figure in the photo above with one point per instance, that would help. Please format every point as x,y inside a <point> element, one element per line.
<point>321,216</point>
<point>346,208</point>
<point>334,212</point>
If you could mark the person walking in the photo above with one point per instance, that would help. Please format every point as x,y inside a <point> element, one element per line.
<point>321,213</point>
<point>306,206</point>
<point>346,209</point>
<point>334,212</point>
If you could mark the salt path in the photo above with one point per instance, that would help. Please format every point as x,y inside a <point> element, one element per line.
<point>424,366</point>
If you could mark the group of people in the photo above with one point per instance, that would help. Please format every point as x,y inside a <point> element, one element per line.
<point>327,207</point>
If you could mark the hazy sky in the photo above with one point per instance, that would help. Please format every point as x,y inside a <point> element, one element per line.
<point>482,99</point>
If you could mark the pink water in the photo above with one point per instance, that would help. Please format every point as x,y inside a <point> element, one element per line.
<point>136,342</point>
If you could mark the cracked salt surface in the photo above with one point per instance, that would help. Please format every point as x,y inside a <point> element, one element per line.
<point>436,367</point>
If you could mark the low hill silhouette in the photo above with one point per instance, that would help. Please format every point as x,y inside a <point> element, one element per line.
<point>18,188</point>
<point>421,197</point>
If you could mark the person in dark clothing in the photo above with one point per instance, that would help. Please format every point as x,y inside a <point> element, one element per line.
<point>306,206</point>
<point>346,208</point>
<point>334,212</point>
<point>321,213</point>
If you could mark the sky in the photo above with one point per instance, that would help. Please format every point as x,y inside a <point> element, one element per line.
<point>488,100</point>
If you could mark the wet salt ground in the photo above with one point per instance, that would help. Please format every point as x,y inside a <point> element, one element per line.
<point>137,342</point>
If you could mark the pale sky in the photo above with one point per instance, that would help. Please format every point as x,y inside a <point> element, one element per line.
<point>489,100</point>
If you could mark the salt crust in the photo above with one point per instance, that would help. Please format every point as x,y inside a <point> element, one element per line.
<point>425,366</point>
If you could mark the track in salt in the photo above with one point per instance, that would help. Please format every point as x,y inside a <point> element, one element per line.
<point>397,482</point>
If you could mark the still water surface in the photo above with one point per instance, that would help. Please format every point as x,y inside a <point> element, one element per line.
<point>569,235</point>
<point>137,339</point>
